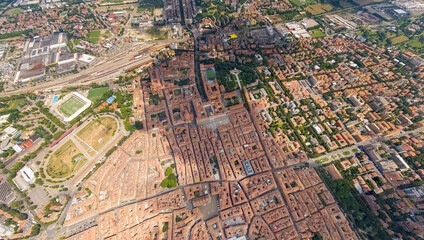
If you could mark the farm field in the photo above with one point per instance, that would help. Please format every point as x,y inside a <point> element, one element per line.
<point>97,92</point>
<point>319,8</point>
<point>65,161</point>
<point>299,3</point>
<point>98,132</point>
<point>71,106</point>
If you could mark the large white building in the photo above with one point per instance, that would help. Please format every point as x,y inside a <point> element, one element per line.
<point>24,178</point>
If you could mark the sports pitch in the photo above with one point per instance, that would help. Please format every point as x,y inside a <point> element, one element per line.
<point>65,161</point>
<point>97,133</point>
<point>71,106</point>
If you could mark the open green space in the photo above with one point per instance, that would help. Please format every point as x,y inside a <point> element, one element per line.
<point>65,161</point>
<point>156,33</point>
<point>210,74</point>
<point>317,33</point>
<point>71,106</point>
<point>299,3</point>
<point>151,3</point>
<point>15,104</point>
<point>399,39</point>
<point>415,43</point>
<point>13,11</point>
<point>346,153</point>
<point>319,8</point>
<point>94,36</point>
<point>111,1</point>
<point>322,160</point>
<point>171,179</point>
<point>365,2</point>
<point>97,92</point>
<point>4,3</point>
<point>355,207</point>
<point>97,133</point>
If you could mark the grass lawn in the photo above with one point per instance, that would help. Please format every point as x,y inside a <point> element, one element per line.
<point>94,36</point>
<point>322,160</point>
<point>399,39</point>
<point>13,11</point>
<point>317,33</point>
<point>77,41</point>
<point>98,132</point>
<point>3,4</point>
<point>15,104</point>
<point>415,43</point>
<point>355,150</point>
<point>346,153</point>
<point>71,106</point>
<point>391,35</point>
<point>97,92</point>
<point>210,74</point>
<point>65,161</point>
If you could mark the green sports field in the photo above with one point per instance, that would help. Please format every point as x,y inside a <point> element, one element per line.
<point>71,106</point>
<point>210,74</point>
<point>97,92</point>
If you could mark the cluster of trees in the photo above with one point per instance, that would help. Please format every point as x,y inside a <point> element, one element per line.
<point>42,132</point>
<point>218,11</point>
<point>151,3</point>
<point>355,206</point>
<point>171,180</point>
<point>15,34</point>
<point>35,230</point>
<point>13,212</point>
<point>225,78</point>
<point>7,153</point>
<point>50,116</point>
<point>284,15</point>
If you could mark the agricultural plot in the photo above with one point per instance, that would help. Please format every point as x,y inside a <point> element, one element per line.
<point>319,8</point>
<point>97,133</point>
<point>299,3</point>
<point>71,106</point>
<point>65,161</point>
<point>97,92</point>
